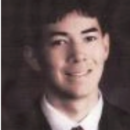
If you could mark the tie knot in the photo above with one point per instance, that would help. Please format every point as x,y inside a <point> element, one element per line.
<point>77,128</point>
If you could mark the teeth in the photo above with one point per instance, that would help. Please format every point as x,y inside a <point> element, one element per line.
<point>80,73</point>
<point>77,74</point>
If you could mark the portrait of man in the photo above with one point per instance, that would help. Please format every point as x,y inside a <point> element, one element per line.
<point>69,47</point>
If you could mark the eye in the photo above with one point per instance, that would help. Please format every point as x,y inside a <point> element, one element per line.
<point>58,42</point>
<point>90,38</point>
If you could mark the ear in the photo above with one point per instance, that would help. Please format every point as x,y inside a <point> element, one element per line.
<point>30,58</point>
<point>106,41</point>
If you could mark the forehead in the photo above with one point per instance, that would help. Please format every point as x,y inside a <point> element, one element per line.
<point>73,22</point>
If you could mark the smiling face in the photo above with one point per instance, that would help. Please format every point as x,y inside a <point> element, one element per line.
<point>75,51</point>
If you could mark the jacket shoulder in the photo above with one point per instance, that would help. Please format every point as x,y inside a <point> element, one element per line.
<point>118,112</point>
<point>114,118</point>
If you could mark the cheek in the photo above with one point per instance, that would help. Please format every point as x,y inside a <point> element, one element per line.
<point>98,54</point>
<point>55,59</point>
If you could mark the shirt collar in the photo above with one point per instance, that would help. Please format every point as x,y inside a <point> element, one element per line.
<point>59,121</point>
<point>91,122</point>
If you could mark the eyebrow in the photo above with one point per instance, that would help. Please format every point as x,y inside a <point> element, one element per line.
<point>58,33</point>
<point>54,33</point>
<point>90,30</point>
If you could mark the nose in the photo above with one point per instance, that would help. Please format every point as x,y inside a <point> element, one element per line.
<point>77,54</point>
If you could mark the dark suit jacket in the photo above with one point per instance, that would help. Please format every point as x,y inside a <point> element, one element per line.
<point>112,118</point>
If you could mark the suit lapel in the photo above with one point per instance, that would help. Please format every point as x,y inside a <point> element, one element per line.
<point>109,119</point>
<point>42,123</point>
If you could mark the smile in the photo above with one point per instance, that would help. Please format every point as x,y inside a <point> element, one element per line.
<point>78,74</point>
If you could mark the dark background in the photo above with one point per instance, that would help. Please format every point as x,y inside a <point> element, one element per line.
<point>20,85</point>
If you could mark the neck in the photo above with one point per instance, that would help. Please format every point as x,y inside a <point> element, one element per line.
<point>75,109</point>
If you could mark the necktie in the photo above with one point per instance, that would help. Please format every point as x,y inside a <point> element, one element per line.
<point>77,128</point>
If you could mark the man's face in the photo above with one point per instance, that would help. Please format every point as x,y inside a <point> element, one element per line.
<point>75,52</point>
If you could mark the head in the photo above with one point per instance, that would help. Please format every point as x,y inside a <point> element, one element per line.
<point>72,49</point>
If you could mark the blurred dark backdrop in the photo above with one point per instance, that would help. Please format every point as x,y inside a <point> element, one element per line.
<point>20,82</point>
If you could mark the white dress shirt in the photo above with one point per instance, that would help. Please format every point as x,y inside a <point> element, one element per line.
<point>59,121</point>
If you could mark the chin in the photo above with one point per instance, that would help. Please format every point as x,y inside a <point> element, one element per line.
<point>76,93</point>
<point>83,90</point>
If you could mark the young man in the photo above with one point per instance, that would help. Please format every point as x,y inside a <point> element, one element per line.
<point>70,55</point>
